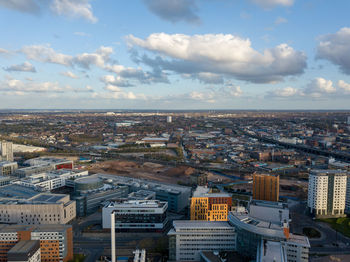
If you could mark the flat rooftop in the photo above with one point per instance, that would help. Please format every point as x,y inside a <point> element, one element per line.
<point>25,246</point>
<point>178,224</point>
<point>17,191</point>
<point>202,191</point>
<point>328,172</point>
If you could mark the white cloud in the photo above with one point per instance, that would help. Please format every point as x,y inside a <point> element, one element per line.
<point>344,86</point>
<point>220,54</point>
<point>4,51</point>
<point>174,10</point>
<point>117,81</point>
<point>273,3</point>
<point>284,92</point>
<point>70,74</point>
<point>117,93</point>
<point>83,34</point>
<point>74,9</point>
<point>316,88</point>
<point>319,86</point>
<point>99,58</point>
<point>336,49</point>
<point>45,54</point>
<point>25,67</point>
<point>15,85</point>
<point>280,20</point>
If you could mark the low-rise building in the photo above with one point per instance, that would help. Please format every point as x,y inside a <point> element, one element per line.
<point>44,208</point>
<point>188,238</point>
<point>136,214</point>
<point>177,196</point>
<point>8,168</point>
<point>32,170</point>
<point>57,163</point>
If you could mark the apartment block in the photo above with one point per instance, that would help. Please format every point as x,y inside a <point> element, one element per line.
<point>266,187</point>
<point>327,192</point>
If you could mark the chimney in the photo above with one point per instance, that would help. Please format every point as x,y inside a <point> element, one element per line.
<point>286,230</point>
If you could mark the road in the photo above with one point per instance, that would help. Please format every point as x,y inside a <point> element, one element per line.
<point>330,241</point>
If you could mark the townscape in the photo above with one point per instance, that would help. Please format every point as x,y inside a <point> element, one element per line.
<point>175,186</point>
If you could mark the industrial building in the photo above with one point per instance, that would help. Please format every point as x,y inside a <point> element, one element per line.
<point>188,238</point>
<point>136,214</point>
<point>55,242</point>
<point>327,192</point>
<point>7,168</point>
<point>209,206</point>
<point>57,163</point>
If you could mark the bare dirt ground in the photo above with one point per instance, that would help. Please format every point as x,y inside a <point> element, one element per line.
<point>147,170</point>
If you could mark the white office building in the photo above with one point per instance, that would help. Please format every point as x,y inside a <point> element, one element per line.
<point>8,168</point>
<point>51,180</point>
<point>347,200</point>
<point>6,151</point>
<point>188,238</point>
<point>135,214</point>
<point>327,192</point>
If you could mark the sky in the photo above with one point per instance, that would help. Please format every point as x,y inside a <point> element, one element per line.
<point>174,54</point>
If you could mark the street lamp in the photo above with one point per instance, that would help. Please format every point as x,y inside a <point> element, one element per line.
<point>113,237</point>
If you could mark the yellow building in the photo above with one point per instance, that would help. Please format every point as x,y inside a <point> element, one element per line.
<point>210,206</point>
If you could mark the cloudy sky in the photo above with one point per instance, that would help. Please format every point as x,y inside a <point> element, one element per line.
<point>175,54</point>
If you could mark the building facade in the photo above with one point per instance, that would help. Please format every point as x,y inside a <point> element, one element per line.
<point>6,151</point>
<point>327,192</point>
<point>188,238</point>
<point>266,187</point>
<point>8,168</point>
<point>56,241</point>
<point>136,214</point>
<point>252,230</point>
<point>210,206</point>
<point>43,208</point>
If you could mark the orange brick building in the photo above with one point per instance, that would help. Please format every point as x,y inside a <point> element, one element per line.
<point>210,206</point>
<point>56,241</point>
<point>266,187</point>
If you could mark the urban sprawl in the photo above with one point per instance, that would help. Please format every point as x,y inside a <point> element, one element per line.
<point>265,186</point>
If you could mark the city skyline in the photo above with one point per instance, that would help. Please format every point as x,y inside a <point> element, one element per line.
<point>180,54</point>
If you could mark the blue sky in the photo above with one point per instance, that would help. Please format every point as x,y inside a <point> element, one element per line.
<point>175,54</point>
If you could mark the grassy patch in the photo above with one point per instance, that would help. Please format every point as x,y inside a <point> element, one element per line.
<point>311,232</point>
<point>342,224</point>
<point>78,258</point>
